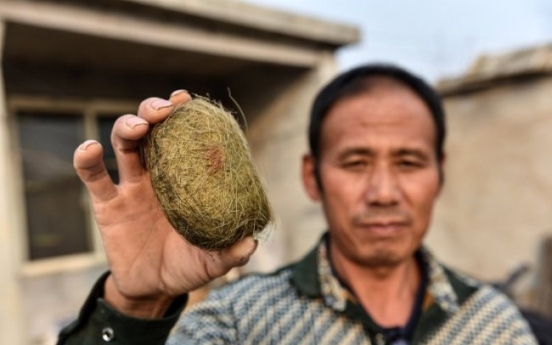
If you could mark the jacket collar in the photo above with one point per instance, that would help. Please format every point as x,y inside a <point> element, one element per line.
<point>314,277</point>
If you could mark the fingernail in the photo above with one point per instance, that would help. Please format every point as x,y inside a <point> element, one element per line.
<point>133,122</point>
<point>160,104</point>
<point>87,144</point>
<point>178,92</point>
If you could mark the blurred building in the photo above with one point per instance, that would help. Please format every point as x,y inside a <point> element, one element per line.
<point>495,212</point>
<point>69,68</point>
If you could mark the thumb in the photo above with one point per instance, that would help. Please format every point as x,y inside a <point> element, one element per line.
<point>239,253</point>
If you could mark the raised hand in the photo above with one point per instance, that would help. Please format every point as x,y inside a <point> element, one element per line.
<point>150,263</point>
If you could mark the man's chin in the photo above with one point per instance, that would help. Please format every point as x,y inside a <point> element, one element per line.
<point>382,259</point>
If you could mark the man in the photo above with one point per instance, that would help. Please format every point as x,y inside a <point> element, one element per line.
<point>375,163</point>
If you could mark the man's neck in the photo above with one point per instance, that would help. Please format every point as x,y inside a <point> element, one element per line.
<point>387,293</point>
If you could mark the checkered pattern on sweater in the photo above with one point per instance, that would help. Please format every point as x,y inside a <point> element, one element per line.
<point>269,309</point>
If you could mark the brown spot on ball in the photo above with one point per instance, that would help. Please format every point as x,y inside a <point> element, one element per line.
<point>214,160</point>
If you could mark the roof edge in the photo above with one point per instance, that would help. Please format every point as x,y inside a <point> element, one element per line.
<point>262,18</point>
<point>488,70</point>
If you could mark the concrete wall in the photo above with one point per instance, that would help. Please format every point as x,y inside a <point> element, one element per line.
<point>496,204</point>
<point>278,141</point>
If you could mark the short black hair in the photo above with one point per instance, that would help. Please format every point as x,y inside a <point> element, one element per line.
<point>352,83</point>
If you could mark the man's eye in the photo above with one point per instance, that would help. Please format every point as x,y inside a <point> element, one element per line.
<point>357,164</point>
<point>409,164</point>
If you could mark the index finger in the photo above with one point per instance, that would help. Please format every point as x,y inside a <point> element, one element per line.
<point>180,97</point>
<point>155,110</point>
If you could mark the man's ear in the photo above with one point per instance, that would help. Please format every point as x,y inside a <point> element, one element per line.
<point>309,177</point>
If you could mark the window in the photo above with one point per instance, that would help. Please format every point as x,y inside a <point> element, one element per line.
<point>56,209</point>
<point>56,214</point>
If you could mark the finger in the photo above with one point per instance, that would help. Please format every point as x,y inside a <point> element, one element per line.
<point>180,97</point>
<point>155,110</point>
<point>127,132</point>
<point>239,253</point>
<point>90,167</point>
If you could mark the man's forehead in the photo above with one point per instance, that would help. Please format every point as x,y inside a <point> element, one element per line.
<point>375,144</point>
<point>396,119</point>
<point>382,107</point>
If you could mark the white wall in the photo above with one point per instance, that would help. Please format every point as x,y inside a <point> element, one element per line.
<point>496,205</point>
<point>279,139</point>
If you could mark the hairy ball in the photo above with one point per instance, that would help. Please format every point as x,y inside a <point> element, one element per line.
<point>203,176</point>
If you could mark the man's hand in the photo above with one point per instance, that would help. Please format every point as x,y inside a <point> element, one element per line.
<point>150,263</point>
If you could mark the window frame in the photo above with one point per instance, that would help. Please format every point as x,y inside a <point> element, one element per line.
<point>90,110</point>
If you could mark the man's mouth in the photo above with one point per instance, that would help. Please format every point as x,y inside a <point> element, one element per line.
<point>383,222</point>
<point>382,225</point>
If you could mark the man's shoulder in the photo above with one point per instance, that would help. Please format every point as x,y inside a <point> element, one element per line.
<point>469,289</point>
<point>245,297</point>
<point>472,292</point>
<point>486,317</point>
<point>254,284</point>
<point>490,300</point>
<point>483,315</point>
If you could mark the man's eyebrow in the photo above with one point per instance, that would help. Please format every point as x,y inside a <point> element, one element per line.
<point>421,154</point>
<point>354,151</point>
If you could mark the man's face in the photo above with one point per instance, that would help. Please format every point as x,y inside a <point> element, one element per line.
<point>379,175</point>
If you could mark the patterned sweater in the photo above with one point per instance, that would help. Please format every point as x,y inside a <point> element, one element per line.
<point>306,304</point>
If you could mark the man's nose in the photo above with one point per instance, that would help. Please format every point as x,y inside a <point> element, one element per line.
<point>383,186</point>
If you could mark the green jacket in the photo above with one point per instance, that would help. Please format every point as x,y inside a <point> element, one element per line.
<point>306,304</point>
